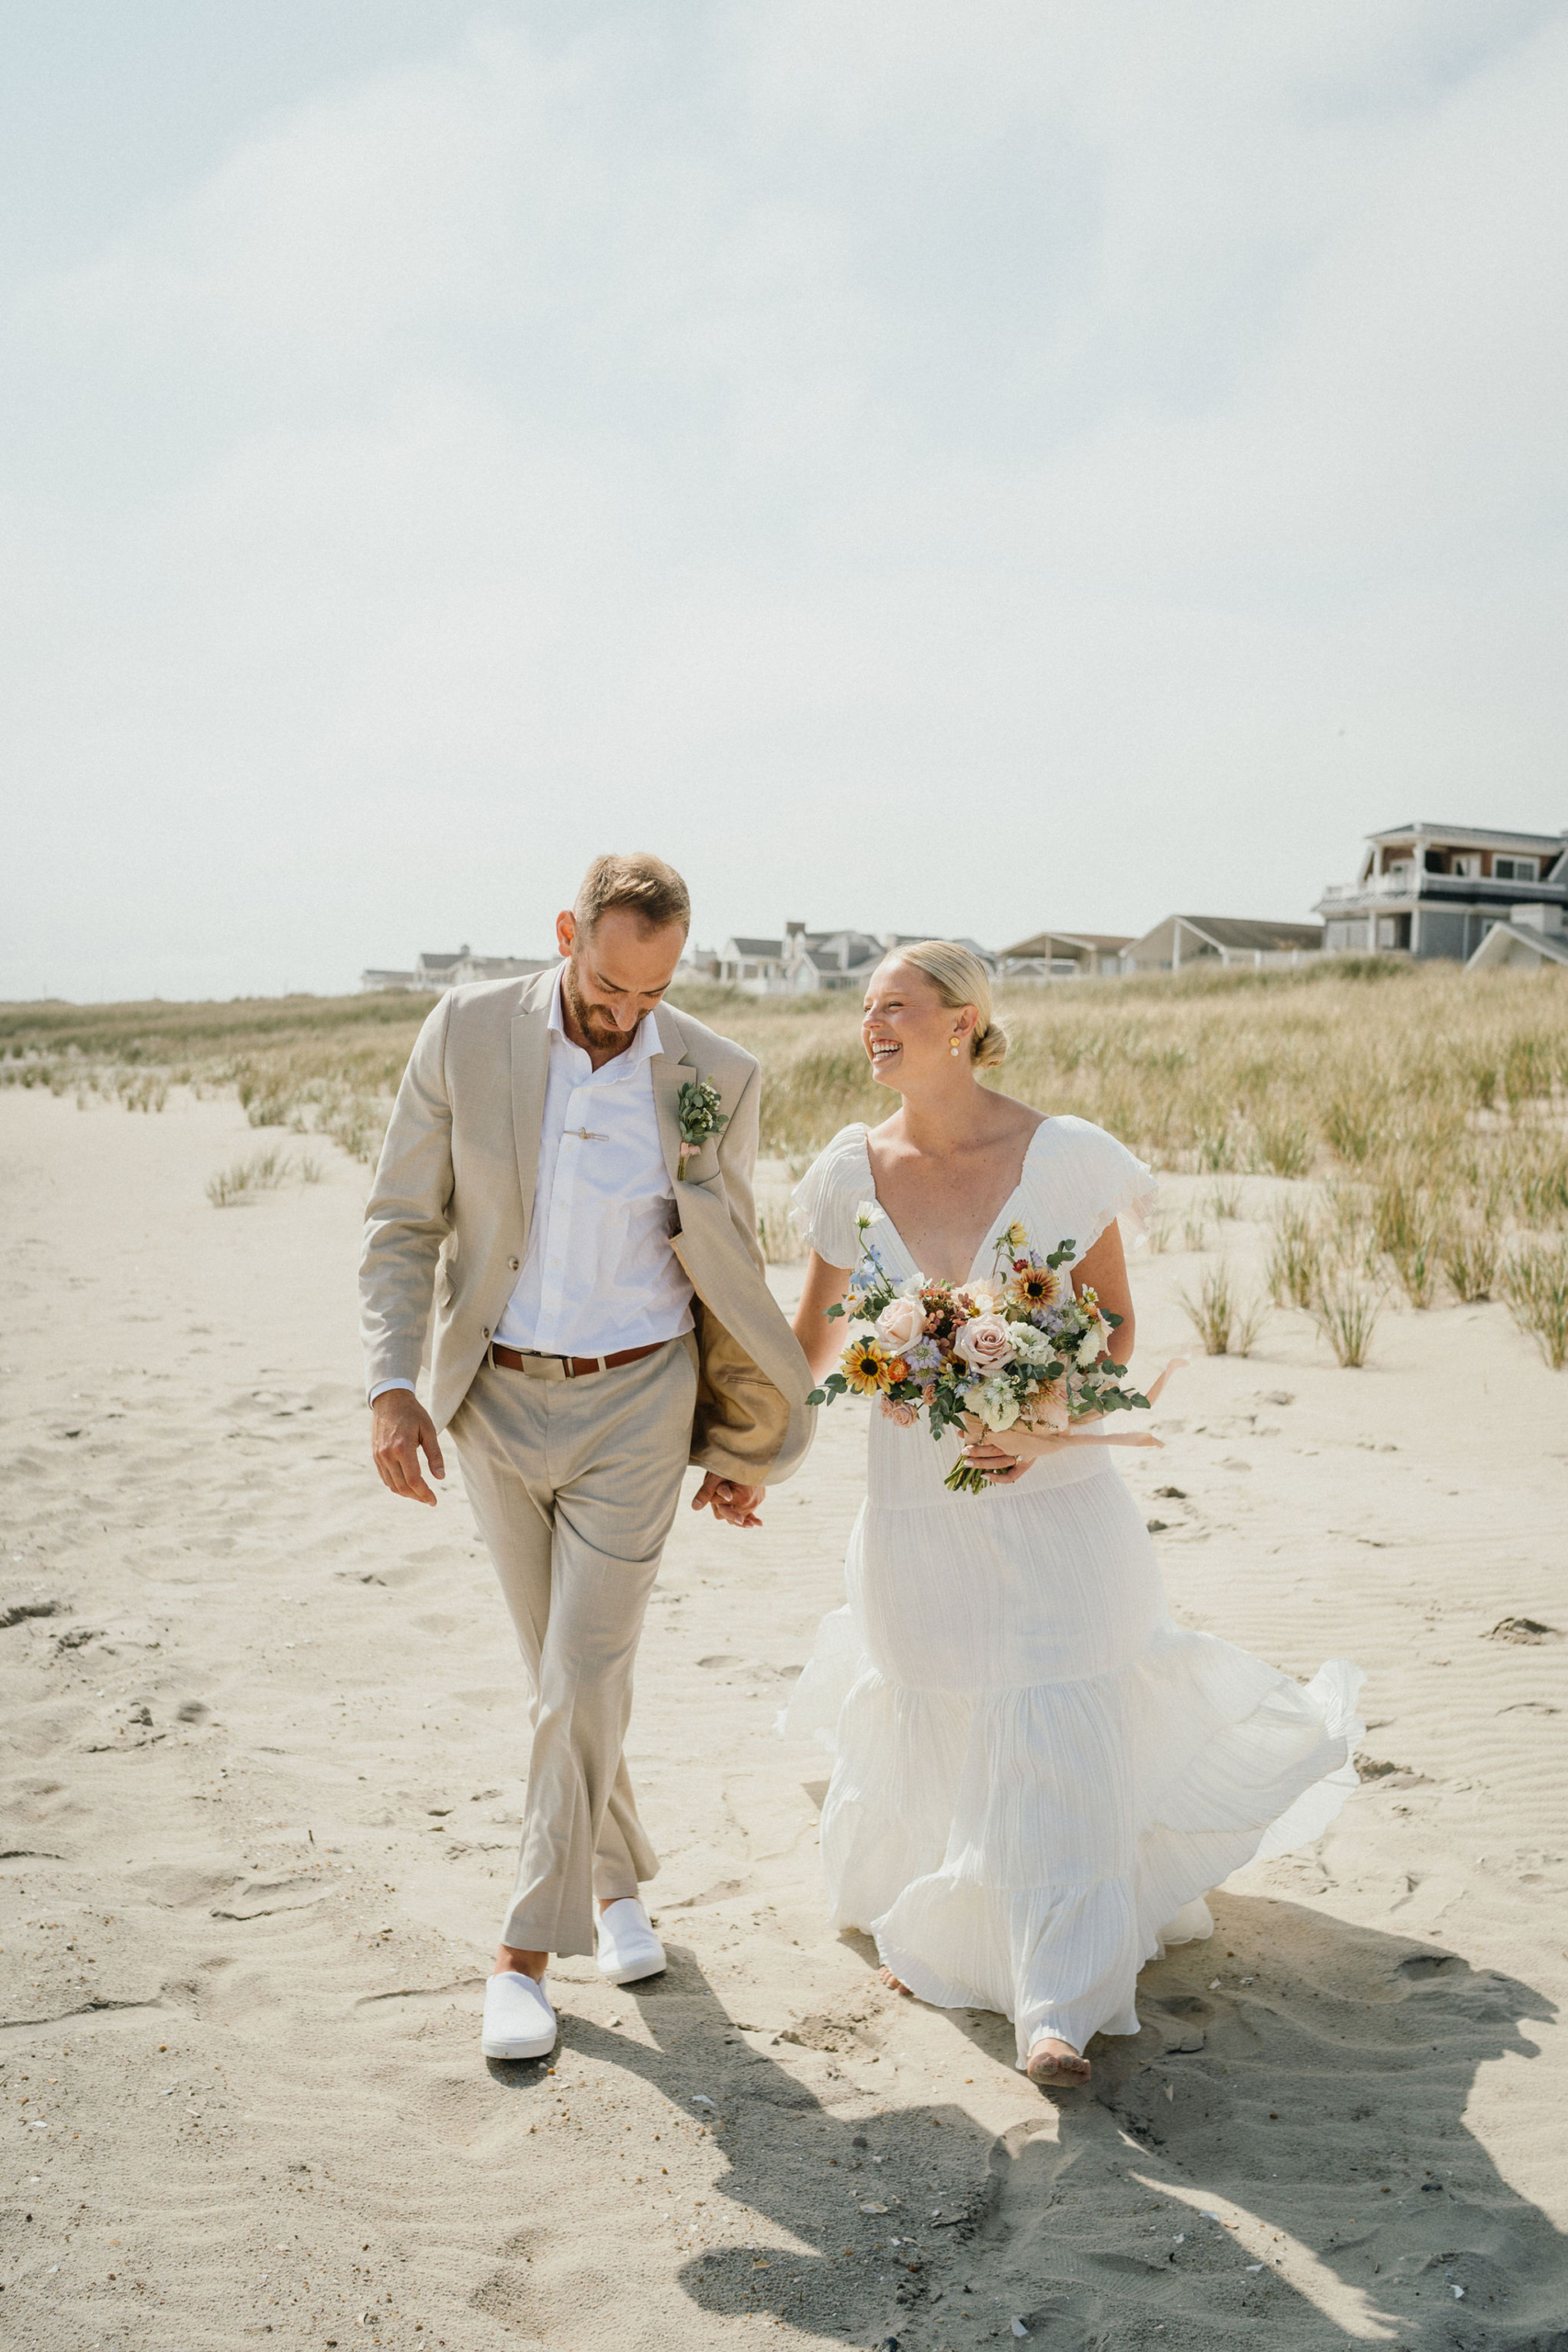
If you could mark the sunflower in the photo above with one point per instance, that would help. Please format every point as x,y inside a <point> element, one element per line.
<point>1032,1287</point>
<point>867,1366</point>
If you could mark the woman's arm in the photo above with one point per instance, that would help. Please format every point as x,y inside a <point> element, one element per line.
<point>1104,1269</point>
<point>825,1287</point>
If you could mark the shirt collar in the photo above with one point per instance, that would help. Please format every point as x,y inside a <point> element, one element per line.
<point>647,1041</point>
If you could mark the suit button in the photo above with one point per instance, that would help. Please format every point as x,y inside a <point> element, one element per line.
<point>486,1333</point>
<point>515,1263</point>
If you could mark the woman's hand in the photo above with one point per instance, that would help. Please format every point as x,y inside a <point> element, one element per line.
<point>1006,1454</point>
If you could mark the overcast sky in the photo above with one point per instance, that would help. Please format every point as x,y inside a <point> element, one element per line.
<point>956,467</point>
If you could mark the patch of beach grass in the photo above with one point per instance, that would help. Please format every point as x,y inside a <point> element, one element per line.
<point>1225,1323</point>
<point>1471,1254</point>
<point>1534,1281</point>
<point>1295,1254</point>
<point>1345,1310</point>
<point>265,1171</point>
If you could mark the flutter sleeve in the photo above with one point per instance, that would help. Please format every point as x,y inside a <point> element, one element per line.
<point>824,1204</point>
<point>1098,1180</point>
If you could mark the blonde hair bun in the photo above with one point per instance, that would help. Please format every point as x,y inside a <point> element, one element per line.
<point>960,978</point>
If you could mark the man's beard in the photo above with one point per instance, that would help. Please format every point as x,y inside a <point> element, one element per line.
<point>593,1020</point>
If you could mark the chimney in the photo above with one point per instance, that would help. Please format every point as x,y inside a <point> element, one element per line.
<point>794,933</point>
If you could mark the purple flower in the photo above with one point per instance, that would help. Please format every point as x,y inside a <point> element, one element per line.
<point>923,1358</point>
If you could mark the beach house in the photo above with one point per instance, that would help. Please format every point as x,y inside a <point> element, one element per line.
<point>1182,941</point>
<point>1425,889</point>
<point>435,971</point>
<point>803,963</point>
<point>1064,955</point>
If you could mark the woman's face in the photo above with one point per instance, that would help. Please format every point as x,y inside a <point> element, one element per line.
<point>907,1030</point>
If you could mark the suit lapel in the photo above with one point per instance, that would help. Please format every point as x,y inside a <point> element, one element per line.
<point>530,1071</point>
<point>671,1071</point>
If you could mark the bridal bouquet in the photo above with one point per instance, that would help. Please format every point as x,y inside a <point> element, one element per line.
<point>1021,1349</point>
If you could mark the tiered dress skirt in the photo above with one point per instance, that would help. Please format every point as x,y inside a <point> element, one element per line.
<point>1037,1774</point>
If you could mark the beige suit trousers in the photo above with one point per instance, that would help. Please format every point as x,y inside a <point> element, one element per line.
<point>574,1483</point>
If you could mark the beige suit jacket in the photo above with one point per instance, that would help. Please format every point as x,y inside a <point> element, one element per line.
<point>450,1207</point>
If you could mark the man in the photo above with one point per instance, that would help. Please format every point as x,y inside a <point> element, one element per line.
<point>586,1227</point>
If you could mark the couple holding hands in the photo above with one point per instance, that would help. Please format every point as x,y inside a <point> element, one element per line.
<point>1036,1775</point>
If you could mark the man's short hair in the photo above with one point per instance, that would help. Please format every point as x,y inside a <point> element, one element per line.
<point>654,891</point>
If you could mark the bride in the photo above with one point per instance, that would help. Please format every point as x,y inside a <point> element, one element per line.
<point>1037,1774</point>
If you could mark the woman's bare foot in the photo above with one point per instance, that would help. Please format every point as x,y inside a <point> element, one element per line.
<point>886,1976</point>
<point>1058,2061</point>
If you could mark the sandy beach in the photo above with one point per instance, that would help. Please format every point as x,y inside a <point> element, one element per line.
<point>263,1740</point>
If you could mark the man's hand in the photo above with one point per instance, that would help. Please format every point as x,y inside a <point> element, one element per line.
<point>736,1505</point>
<point>400,1426</point>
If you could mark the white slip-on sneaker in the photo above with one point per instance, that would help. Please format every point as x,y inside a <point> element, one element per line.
<point>519,2021</point>
<point>629,1949</point>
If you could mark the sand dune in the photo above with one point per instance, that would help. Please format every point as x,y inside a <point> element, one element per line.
<point>263,1746</point>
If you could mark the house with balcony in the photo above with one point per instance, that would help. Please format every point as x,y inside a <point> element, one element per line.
<point>1427,890</point>
<point>1064,955</point>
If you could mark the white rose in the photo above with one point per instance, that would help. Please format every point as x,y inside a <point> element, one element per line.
<point>900,1324</point>
<point>997,1405</point>
<point>1029,1344</point>
<point>1091,1347</point>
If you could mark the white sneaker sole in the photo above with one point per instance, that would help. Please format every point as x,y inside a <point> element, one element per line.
<point>637,1973</point>
<point>524,2045</point>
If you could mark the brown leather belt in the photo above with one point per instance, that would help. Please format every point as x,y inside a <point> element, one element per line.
<point>543,1367</point>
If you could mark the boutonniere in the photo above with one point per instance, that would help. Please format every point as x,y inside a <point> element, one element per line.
<point>698,1117</point>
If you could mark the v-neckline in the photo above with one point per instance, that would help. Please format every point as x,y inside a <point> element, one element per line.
<point>991,1224</point>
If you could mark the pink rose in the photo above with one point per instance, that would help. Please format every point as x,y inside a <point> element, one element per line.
<point>899,1409</point>
<point>900,1324</point>
<point>985,1342</point>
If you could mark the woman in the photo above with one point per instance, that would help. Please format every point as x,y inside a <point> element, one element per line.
<point>1037,1773</point>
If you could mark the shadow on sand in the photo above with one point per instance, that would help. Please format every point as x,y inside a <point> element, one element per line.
<point>1319,2094</point>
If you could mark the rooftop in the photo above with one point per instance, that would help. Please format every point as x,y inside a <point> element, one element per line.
<point>1103,943</point>
<point>1241,931</point>
<point>1481,836</point>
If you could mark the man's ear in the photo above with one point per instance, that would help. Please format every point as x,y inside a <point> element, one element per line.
<point>566,932</point>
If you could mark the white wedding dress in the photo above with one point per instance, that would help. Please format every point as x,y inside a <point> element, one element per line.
<point>1037,1774</point>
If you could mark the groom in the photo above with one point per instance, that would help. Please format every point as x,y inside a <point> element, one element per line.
<point>568,1171</point>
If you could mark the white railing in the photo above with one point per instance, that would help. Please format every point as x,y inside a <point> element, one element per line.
<point>1377,885</point>
<point>1487,888</point>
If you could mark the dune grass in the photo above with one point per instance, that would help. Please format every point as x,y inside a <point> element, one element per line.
<point>265,1171</point>
<point>326,1066</point>
<point>1227,1324</point>
<point>1418,1115</point>
<point>1534,1281</point>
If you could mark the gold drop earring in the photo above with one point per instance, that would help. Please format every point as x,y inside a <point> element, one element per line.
<point>952,1049</point>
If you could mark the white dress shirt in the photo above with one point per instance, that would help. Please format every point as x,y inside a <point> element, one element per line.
<point>599,1274</point>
